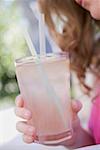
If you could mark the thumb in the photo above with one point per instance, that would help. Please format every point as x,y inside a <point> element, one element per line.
<point>76,106</point>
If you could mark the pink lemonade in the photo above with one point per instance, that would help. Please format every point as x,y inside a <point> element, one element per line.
<point>45,87</point>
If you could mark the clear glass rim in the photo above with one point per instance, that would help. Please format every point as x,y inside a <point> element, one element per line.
<point>32,59</point>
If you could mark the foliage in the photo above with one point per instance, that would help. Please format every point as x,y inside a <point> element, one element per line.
<point>12,46</point>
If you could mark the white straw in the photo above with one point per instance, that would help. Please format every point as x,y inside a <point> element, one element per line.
<point>42,34</point>
<point>29,43</point>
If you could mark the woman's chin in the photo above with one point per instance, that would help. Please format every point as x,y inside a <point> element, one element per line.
<point>95,15</point>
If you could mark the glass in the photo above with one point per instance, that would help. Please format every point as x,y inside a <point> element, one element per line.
<point>44,85</point>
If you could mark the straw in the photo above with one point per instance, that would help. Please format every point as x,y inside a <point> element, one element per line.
<point>35,10</point>
<point>30,44</point>
<point>42,34</point>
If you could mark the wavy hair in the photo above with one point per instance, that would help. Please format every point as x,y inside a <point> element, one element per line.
<point>77,37</point>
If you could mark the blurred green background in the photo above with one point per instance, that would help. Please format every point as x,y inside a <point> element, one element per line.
<point>15,17</point>
<point>12,46</point>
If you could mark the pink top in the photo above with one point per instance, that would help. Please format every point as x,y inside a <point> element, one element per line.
<point>94,122</point>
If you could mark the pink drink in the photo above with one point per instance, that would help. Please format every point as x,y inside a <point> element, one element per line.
<point>51,116</point>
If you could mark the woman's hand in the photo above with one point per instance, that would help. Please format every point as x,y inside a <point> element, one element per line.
<point>28,130</point>
<point>22,126</point>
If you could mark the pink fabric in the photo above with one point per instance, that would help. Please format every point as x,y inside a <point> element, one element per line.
<point>94,122</point>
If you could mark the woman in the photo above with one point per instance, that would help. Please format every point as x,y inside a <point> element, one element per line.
<point>78,38</point>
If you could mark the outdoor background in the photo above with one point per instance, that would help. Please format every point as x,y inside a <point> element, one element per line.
<point>12,45</point>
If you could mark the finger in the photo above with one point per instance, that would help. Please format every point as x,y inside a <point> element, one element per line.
<point>26,129</point>
<point>76,106</point>
<point>23,113</point>
<point>28,139</point>
<point>19,101</point>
